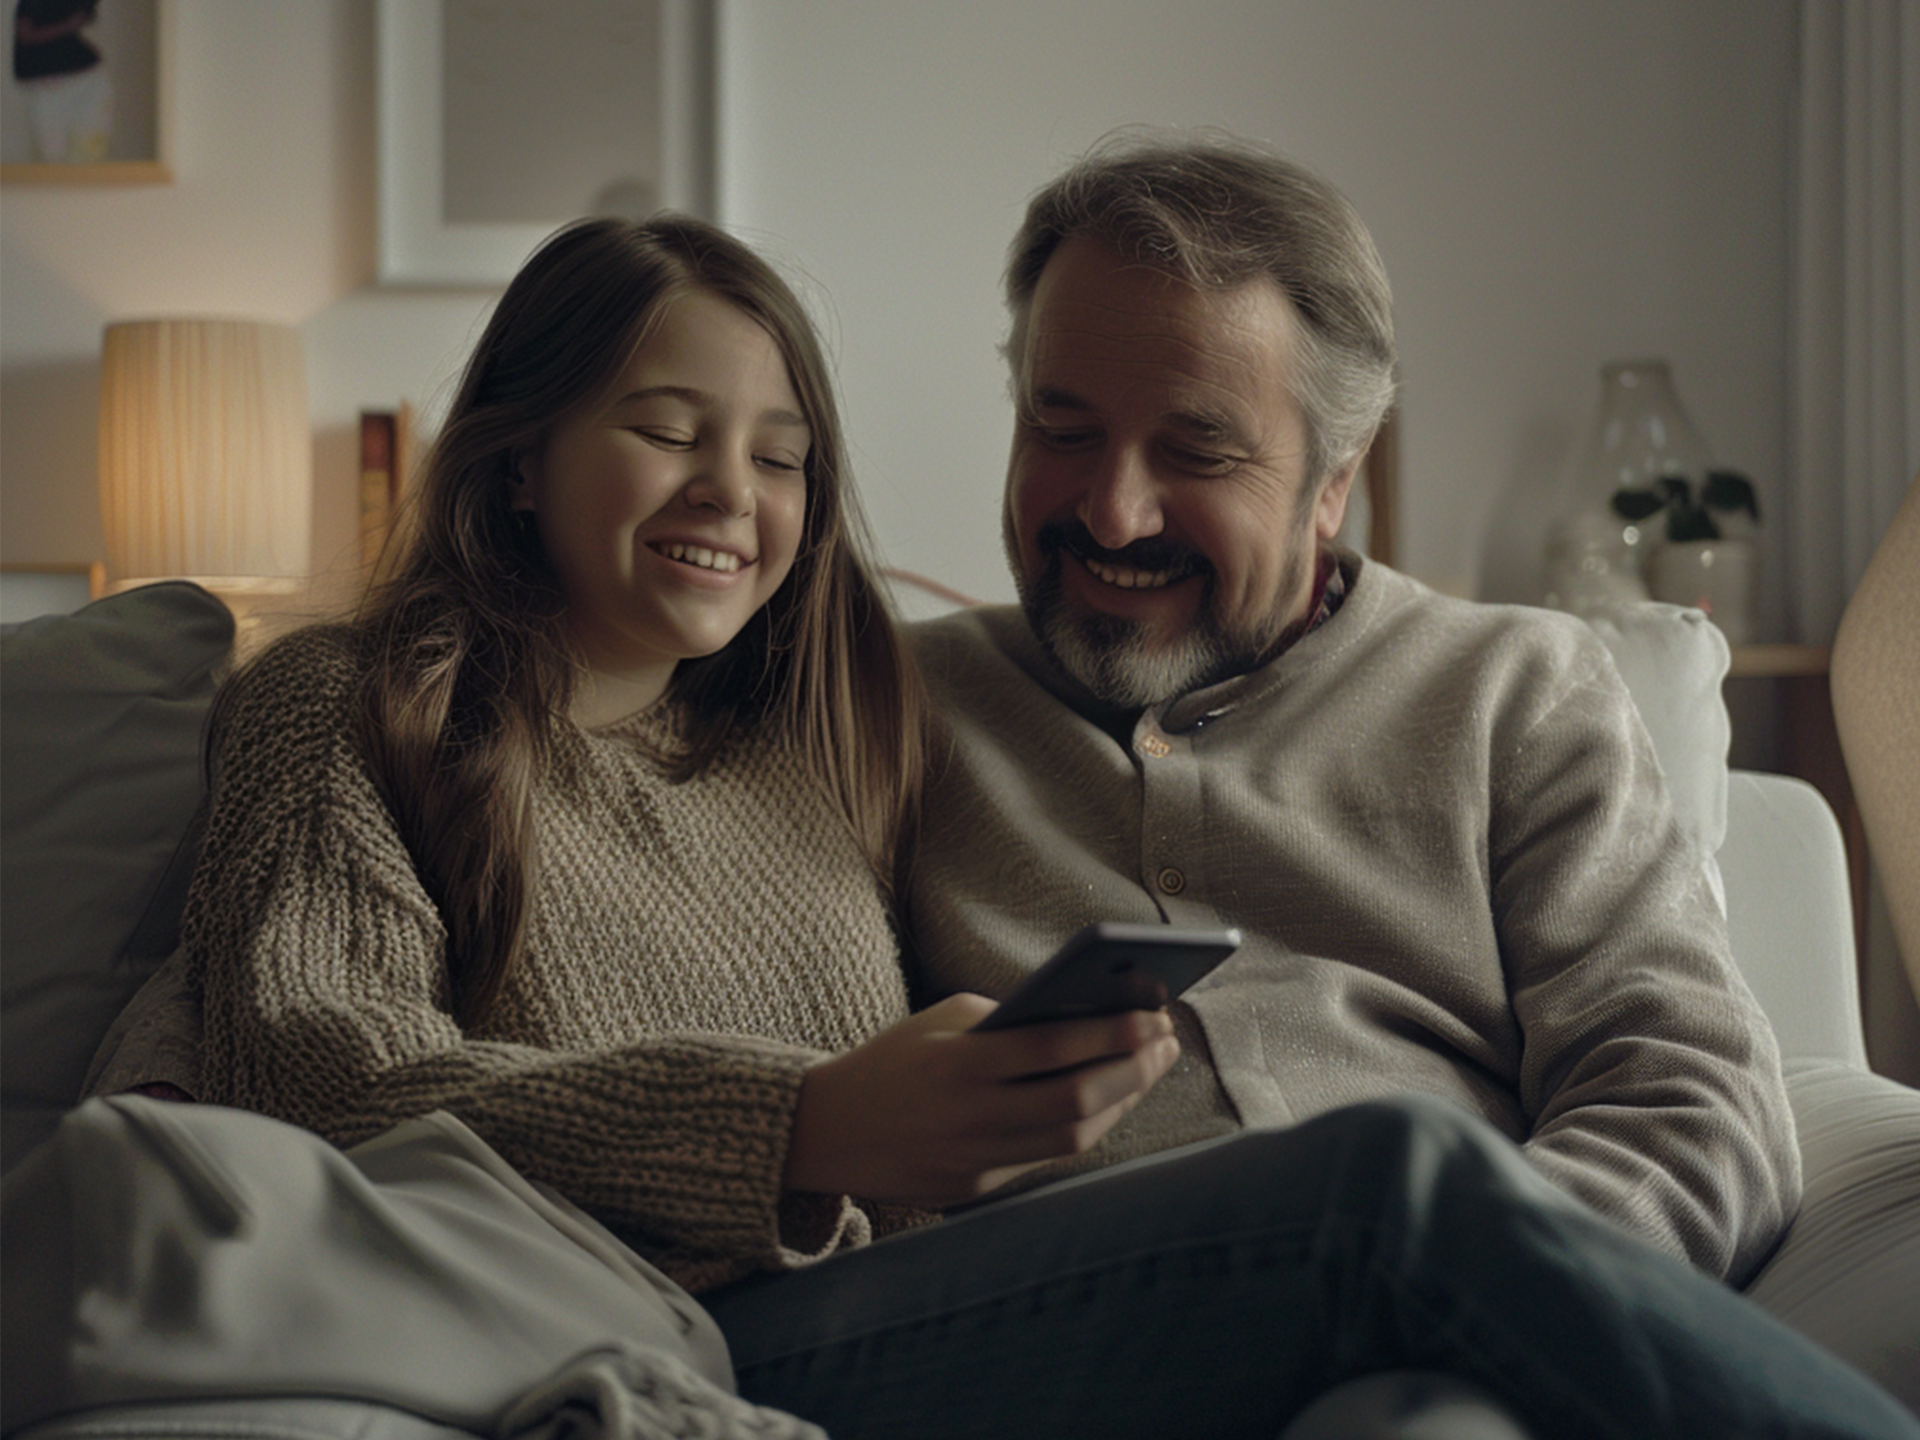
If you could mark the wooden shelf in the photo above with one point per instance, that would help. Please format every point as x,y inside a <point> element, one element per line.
<point>1778,662</point>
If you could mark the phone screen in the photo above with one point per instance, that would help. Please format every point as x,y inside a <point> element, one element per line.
<point>1109,968</point>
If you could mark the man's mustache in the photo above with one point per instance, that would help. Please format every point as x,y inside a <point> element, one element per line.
<point>1151,553</point>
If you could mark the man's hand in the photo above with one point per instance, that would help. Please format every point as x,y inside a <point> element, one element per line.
<point>926,1113</point>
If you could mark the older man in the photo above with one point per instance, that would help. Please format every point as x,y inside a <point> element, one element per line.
<point>1485,999</point>
<point>1440,824</point>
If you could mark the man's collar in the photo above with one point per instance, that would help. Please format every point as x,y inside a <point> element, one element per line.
<point>1185,712</point>
<point>1329,589</point>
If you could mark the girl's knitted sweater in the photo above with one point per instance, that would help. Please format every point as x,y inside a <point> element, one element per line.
<point>693,948</point>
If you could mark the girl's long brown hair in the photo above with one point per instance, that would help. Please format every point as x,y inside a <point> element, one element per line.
<point>470,665</point>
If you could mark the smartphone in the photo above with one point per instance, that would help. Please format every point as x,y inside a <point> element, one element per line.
<point>1109,968</point>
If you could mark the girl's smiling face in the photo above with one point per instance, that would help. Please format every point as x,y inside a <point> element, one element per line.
<point>672,507</point>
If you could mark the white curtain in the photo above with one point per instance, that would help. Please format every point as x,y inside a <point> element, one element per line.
<point>1854,378</point>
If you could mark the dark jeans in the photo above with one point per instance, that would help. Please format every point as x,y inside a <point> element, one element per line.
<point>1217,1290</point>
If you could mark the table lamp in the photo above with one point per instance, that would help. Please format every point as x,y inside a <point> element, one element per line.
<point>206,458</point>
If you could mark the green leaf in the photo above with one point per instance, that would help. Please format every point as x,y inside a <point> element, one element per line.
<point>1729,490</point>
<point>1636,504</point>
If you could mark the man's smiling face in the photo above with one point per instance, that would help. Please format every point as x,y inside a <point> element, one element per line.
<point>1159,520</point>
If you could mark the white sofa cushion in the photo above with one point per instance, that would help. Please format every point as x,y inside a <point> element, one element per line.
<point>1674,660</point>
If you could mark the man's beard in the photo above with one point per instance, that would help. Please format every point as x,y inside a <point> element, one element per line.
<point>1118,660</point>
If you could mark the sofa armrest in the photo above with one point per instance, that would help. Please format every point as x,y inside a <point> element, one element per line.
<point>1790,915</point>
<point>1848,1273</point>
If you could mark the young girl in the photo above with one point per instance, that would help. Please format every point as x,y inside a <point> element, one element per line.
<point>583,831</point>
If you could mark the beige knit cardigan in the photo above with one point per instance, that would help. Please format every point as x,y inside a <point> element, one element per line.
<point>1445,834</point>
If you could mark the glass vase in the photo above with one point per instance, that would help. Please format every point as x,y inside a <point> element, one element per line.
<point>1587,566</point>
<point>1640,435</point>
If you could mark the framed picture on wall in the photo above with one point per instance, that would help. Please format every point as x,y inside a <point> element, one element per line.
<point>498,123</point>
<point>84,99</point>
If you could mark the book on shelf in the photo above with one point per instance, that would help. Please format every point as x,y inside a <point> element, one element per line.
<point>386,453</point>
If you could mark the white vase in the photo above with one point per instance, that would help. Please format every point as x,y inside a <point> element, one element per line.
<point>1716,576</point>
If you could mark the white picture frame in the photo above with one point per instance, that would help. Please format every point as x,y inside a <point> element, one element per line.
<point>418,246</point>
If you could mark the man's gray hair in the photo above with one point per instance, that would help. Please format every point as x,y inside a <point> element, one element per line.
<point>1219,213</point>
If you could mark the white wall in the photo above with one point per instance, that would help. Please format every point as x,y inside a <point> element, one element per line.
<point>1553,183</point>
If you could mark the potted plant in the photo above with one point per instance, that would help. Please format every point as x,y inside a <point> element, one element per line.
<point>1690,517</point>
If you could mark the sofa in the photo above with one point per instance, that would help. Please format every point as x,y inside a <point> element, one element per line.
<point>100,719</point>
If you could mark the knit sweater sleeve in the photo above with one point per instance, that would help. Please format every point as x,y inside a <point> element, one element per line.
<point>321,962</point>
<point>1651,1075</point>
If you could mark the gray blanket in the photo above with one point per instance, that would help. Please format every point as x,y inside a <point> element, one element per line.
<point>161,1255</point>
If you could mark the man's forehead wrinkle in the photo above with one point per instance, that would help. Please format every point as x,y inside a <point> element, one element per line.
<point>1105,332</point>
<point>1196,356</point>
<point>1099,321</point>
<point>1209,405</point>
<point>1209,360</point>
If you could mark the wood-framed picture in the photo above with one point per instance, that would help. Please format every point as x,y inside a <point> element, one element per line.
<point>85,93</point>
<point>498,123</point>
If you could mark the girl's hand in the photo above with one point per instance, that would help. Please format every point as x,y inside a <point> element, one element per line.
<point>928,1114</point>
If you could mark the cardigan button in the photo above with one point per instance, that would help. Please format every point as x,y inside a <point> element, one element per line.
<point>1172,882</point>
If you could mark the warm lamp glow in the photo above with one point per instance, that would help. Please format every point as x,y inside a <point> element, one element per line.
<point>206,460</point>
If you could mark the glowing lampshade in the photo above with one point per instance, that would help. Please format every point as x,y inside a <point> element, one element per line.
<point>206,460</point>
